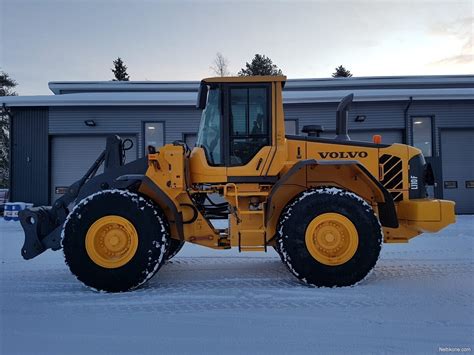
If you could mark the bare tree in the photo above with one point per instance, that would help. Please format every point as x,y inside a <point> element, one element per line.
<point>221,65</point>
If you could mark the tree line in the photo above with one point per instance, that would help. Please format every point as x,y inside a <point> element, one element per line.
<point>259,65</point>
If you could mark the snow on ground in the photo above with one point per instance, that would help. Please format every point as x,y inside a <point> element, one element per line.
<point>419,298</point>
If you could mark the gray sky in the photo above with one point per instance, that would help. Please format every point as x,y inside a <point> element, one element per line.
<point>47,40</point>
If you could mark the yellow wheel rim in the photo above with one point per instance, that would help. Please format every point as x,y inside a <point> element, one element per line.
<point>111,241</point>
<point>331,239</point>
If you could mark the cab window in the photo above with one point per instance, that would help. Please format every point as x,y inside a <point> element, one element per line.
<point>249,123</point>
<point>209,136</point>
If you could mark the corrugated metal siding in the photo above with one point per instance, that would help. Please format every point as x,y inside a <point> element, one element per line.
<point>124,120</point>
<point>447,114</point>
<point>387,115</point>
<point>379,115</point>
<point>72,156</point>
<point>388,136</point>
<point>458,165</point>
<point>30,155</point>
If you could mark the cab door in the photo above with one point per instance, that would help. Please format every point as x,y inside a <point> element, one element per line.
<point>247,131</point>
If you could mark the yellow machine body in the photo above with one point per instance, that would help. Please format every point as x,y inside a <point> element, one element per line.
<point>259,190</point>
<point>325,205</point>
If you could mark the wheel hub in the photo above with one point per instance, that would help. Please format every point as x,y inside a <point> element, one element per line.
<point>331,239</point>
<point>111,241</point>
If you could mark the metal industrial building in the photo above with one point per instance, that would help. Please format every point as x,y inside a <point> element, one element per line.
<point>55,138</point>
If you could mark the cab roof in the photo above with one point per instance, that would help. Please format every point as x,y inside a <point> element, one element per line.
<point>246,79</point>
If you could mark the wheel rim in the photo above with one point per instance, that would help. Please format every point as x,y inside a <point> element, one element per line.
<point>111,241</point>
<point>331,239</point>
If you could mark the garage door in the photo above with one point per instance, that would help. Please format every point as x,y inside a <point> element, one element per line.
<point>72,156</point>
<point>388,136</point>
<point>457,154</point>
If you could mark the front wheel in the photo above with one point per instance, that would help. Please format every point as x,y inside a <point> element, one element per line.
<point>115,240</point>
<point>329,237</point>
<point>174,248</point>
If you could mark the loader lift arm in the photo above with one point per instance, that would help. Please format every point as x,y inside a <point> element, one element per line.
<point>43,225</point>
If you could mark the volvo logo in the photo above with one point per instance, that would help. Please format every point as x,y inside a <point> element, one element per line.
<point>339,155</point>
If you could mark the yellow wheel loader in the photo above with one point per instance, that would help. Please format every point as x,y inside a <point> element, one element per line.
<point>325,205</point>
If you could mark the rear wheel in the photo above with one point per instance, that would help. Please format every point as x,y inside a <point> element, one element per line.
<point>329,237</point>
<point>115,240</point>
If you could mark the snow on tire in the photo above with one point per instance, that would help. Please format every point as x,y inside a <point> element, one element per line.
<point>144,227</point>
<point>329,237</point>
<point>278,250</point>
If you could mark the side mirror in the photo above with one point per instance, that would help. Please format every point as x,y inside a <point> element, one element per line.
<point>313,130</point>
<point>202,96</point>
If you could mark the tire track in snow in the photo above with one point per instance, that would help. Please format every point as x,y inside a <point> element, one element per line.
<point>194,284</point>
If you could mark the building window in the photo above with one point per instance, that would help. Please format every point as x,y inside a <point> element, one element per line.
<point>154,135</point>
<point>423,135</point>
<point>291,127</point>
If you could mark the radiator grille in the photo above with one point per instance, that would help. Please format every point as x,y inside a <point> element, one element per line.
<point>391,174</point>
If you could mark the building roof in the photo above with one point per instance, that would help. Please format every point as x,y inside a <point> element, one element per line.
<point>71,87</point>
<point>184,93</point>
<point>321,84</point>
<point>105,99</point>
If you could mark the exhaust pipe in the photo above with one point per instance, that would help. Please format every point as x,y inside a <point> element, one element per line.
<point>342,116</point>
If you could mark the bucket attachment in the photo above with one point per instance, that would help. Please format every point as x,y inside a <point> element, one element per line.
<point>41,231</point>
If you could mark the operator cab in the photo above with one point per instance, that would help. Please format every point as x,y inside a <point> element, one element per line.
<point>236,121</point>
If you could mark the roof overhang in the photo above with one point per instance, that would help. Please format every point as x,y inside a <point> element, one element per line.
<point>316,84</point>
<point>294,97</point>
<point>189,98</point>
<point>66,87</point>
<point>104,99</point>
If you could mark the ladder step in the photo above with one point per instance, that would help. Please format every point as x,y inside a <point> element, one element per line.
<point>252,243</point>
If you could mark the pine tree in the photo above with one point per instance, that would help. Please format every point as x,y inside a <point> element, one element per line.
<point>120,70</point>
<point>7,86</point>
<point>341,72</point>
<point>260,65</point>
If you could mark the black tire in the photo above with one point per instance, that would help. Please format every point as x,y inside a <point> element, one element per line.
<point>153,240</point>
<point>291,237</point>
<point>174,248</point>
<point>278,250</point>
